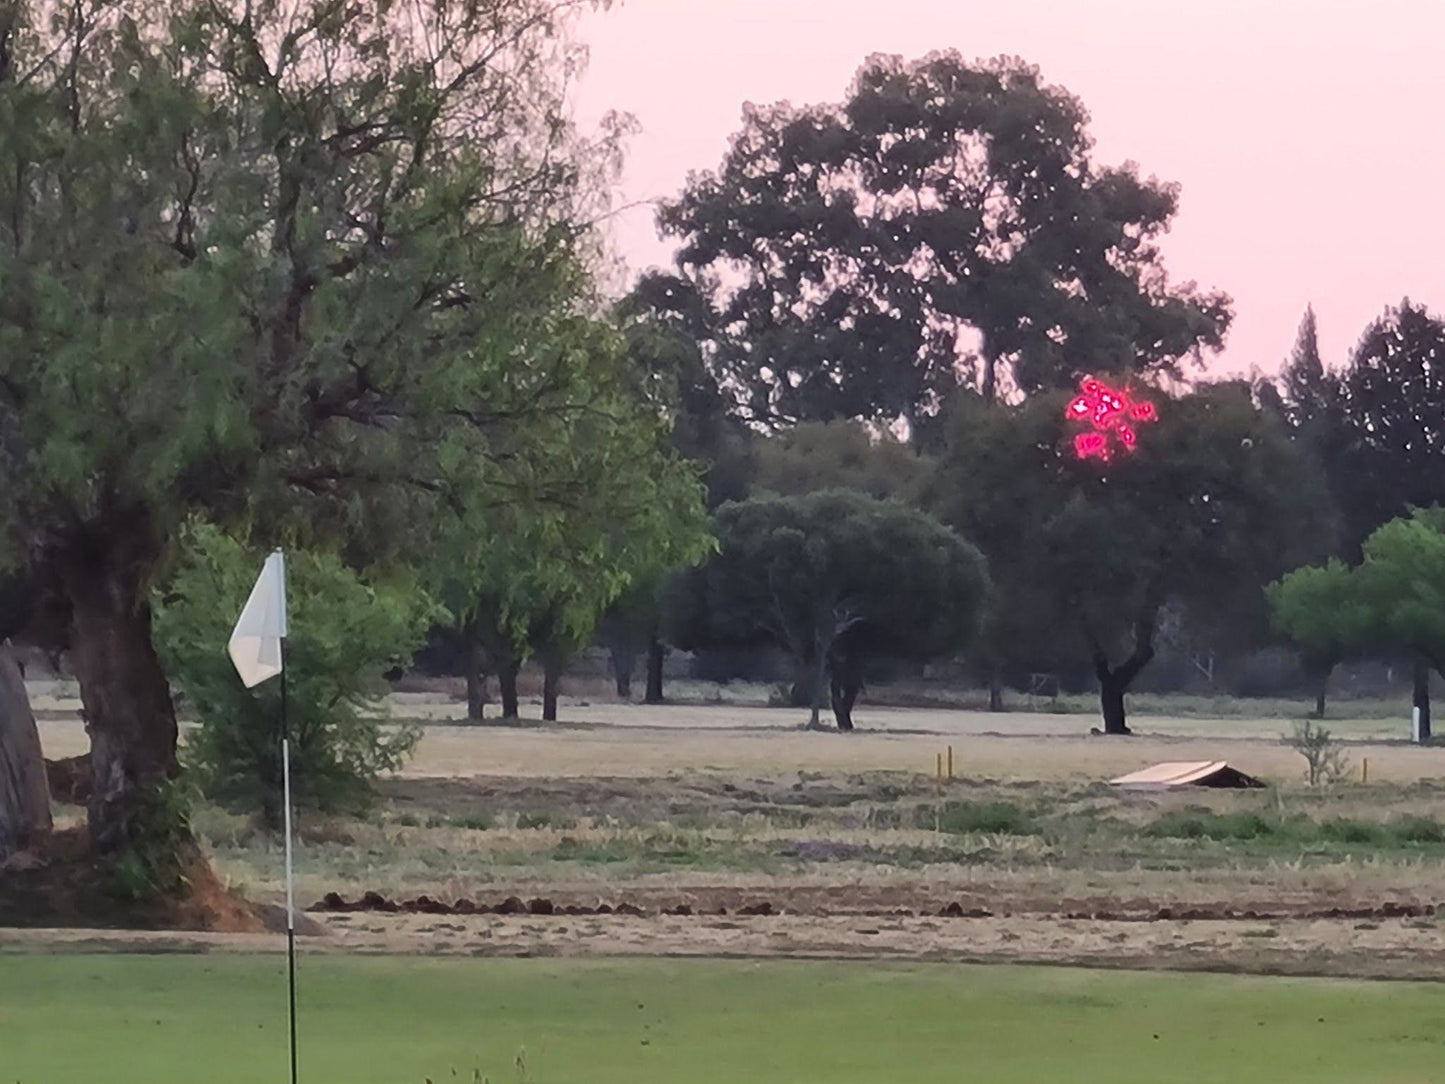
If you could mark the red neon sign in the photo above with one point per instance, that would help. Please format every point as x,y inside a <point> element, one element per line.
<point>1111,414</point>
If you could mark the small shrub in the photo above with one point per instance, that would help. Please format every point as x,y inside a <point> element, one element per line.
<point>960,818</point>
<point>1188,824</point>
<point>345,634</point>
<point>1418,830</point>
<point>1325,761</point>
<point>1344,830</point>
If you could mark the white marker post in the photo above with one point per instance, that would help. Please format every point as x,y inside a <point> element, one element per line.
<point>258,650</point>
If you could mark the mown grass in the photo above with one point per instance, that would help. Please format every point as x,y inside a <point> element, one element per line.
<point>378,1020</point>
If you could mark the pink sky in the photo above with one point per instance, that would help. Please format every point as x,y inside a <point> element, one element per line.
<point>1308,135</point>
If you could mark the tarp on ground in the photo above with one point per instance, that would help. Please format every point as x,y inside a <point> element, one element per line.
<point>1186,773</point>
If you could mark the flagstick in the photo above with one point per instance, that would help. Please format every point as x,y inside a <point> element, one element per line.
<point>290,898</point>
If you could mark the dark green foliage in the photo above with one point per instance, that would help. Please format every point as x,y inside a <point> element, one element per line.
<point>1391,422</point>
<point>833,578</point>
<point>1245,825</point>
<point>344,635</point>
<point>1322,612</point>
<point>944,224</point>
<point>815,456</point>
<point>959,818</point>
<point>312,274</point>
<point>1417,829</point>
<point>156,858</point>
<point>1214,503</point>
<point>1190,824</point>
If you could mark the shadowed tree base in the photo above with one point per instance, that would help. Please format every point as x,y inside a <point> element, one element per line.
<point>62,883</point>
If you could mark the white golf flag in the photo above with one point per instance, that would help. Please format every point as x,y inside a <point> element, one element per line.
<point>255,645</point>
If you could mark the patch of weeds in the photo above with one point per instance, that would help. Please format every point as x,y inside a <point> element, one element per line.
<point>545,818</point>
<point>1345,830</point>
<point>960,818</point>
<point>569,849</point>
<point>1202,824</point>
<point>478,822</point>
<point>1418,830</point>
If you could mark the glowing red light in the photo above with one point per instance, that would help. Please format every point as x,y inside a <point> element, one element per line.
<point>1108,412</point>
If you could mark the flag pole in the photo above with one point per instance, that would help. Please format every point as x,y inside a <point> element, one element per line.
<point>290,896</point>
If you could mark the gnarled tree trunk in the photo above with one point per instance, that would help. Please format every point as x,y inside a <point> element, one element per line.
<point>1114,681</point>
<point>656,654</point>
<point>24,792</point>
<point>127,701</point>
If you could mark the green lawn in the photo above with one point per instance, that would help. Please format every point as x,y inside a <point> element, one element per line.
<point>174,1019</point>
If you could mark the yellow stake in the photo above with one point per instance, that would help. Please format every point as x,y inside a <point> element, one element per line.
<point>950,762</point>
<point>1365,770</point>
<point>938,767</point>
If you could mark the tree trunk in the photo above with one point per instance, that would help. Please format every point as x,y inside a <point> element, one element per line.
<point>820,684</point>
<point>995,692</point>
<point>847,681</point>
<point>656,653</point>
<point>476,682</point>
<point>1111,705</point>
<point>1421,701</point>
<point>1114,681</point>
<point>507,687</point>
<point>24,792</point>
<point>552,666</point>
<point>622,659</point>
<point>1321,668</point>
<point>123,688</point>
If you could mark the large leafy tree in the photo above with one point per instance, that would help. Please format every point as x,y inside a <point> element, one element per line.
<point>834,579</point>
<point>663,328</point>
<point>1215,502</point>
<point>1309,391</point>
<point>1401,584</point>
<point>535,572</point>
<point>1392,601</point>
<point>1389,454</point>
<point>305,266</point>
<point>945,224</point>
<point>1319,609</point>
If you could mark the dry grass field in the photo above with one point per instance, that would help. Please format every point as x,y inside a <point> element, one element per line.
<point>855,849</point>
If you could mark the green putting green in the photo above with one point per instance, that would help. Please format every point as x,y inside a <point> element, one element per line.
<point>220,1019</point>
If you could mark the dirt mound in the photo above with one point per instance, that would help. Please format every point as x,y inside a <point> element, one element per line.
<point>798,904</point>
<point>63,885</point>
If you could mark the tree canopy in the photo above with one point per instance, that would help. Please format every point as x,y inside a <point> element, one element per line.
<point>837,455</point>
<point>1319,610</point>
<point>1391,422</point>
<point>312,274</point>
<point>833,578</point>
<point>944,225</point>
<point>1214,503</point>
